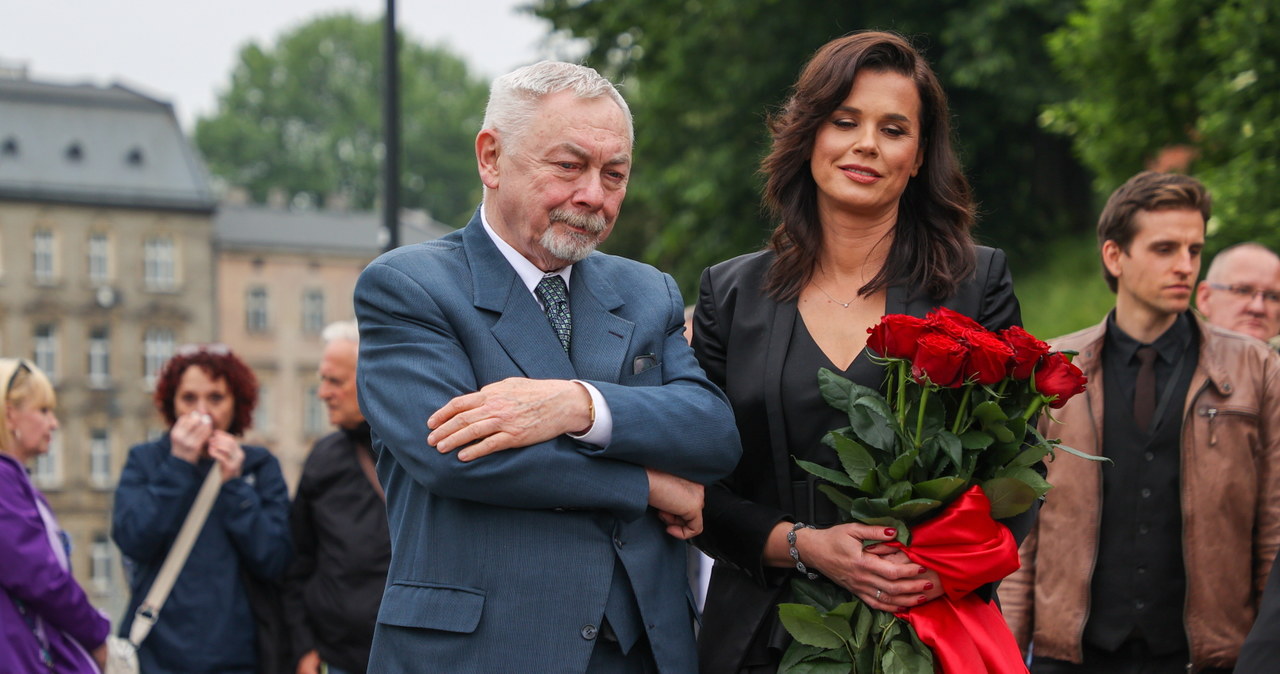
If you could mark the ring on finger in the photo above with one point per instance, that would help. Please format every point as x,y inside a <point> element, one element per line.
<point>878,593</point>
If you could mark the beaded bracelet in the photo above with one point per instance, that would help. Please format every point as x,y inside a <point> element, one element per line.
<point>795,554</point>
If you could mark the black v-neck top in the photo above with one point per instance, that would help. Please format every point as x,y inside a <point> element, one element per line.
<point>807,417</point>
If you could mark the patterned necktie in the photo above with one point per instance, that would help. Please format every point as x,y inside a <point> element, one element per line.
<point>555,301</point>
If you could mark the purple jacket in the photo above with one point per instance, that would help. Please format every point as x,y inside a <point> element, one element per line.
<point>58,617</point>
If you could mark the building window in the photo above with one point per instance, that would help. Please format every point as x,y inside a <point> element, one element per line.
<point>100,457</point>
<point>312,311</point>
<point>47,473</point>
<point>262,413</point>
<point>42,251</point>
<point>99,358</point>
<point>158,268</point>
<point>255,309</point>
<point>316,417</point>
<point>46,349</point>
<point>101,562</point>
<point>99,250</point>
<point>157,349</point>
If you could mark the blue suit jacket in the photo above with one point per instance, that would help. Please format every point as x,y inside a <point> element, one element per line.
<point>504,564</point>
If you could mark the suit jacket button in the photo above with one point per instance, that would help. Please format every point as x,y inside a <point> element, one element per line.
<point>589,632</point>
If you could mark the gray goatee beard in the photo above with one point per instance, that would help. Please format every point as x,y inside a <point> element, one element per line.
<point>569,245</point>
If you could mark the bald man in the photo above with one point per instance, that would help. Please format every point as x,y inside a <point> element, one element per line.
<point>1241,292</point>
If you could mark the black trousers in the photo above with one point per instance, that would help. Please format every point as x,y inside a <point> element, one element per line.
<point>607,657</point>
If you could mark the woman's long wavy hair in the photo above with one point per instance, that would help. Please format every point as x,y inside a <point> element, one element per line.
<point>932,250</point>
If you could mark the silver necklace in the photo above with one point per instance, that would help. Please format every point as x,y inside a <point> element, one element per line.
<point>833,300</point>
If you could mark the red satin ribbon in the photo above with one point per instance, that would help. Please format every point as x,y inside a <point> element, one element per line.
<point>968,549</point>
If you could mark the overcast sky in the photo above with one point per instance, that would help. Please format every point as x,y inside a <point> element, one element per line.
<point>183,51</point>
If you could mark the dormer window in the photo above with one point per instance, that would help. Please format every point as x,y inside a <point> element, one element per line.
<point>74,151</point>
<point>10,147</point>
<point>134,158</point>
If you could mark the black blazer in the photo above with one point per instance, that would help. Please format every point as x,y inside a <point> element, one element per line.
<point>741,337</point>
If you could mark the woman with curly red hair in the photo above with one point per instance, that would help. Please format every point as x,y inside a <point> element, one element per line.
<point>206,395</point>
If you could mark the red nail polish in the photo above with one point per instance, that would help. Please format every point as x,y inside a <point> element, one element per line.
<point>891,532</point>
<point>928,586</point>
<point>921,600</point>
<point>921,570</point>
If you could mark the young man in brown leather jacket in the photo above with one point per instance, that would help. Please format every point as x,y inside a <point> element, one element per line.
<point>1154,562</point>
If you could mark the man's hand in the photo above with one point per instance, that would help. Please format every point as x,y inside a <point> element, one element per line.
<point>309,663</point>
<point>509,414</point>
<point>678,502</point>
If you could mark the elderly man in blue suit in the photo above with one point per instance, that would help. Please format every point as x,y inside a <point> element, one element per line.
<point>543,428</point>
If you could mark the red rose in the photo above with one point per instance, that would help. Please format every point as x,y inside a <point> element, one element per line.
<point>1057,376</point>
<point>1027,350</point>
<point>989,358</point>
<point>940,360</point>
<point>952,322</point>
<point>895,336</point>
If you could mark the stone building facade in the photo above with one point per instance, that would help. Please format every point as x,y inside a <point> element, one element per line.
<point>106,259</point>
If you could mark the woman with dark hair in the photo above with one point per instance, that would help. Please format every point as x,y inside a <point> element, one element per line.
<point>874,218</point>
<point>206,395</point>
<point>46,622</point>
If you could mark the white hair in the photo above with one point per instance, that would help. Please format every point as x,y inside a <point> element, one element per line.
<point>337,330</point>
<point>514,97</point>
<point>1221,261</point>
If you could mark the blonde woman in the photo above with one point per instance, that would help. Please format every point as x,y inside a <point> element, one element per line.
<point>46,622</point>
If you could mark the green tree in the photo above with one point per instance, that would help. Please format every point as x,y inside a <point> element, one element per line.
<point>1202,74</point>
<point>305,116</point>
<point>701,75</point>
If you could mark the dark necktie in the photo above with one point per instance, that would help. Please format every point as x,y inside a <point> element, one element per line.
<point>1144,390</point>
<point>555,301</point>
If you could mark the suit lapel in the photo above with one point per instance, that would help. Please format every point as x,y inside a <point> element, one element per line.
<point>601,340</point>
<point>521,327</point>
<point>781,326</point>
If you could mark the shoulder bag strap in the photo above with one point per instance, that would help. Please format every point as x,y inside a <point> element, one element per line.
<point>149,610</point>
<point>366,464</point>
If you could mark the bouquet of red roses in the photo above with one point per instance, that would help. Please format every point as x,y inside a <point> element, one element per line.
<point>949,449</point>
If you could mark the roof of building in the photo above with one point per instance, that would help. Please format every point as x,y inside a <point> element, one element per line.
<point>251,227</point>
<point>86,144</point>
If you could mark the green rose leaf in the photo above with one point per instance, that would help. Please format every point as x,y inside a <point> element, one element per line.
<point>871,428</point>
<point>797,653</point>
<point>989,412</point>
<point>807,626</point>
<point>897,493</point>
<point>842,500</point>
<point>898,469</point>
<point>836,390</point>
<point>973,439</point>
<point>809,659</point>
<point>948,444</point>
<point>832,476</point>
<point>906,659</point>
<point>1029,476</point>
<point>1030,456</point>
<point>821,594</point>
<point>819,666</point>
<point>855,458</point>
<point>846,610</point>
<point>861,626</point>
<point>941,489</point>
<point>1009,496</point>
<point>915,509</point>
